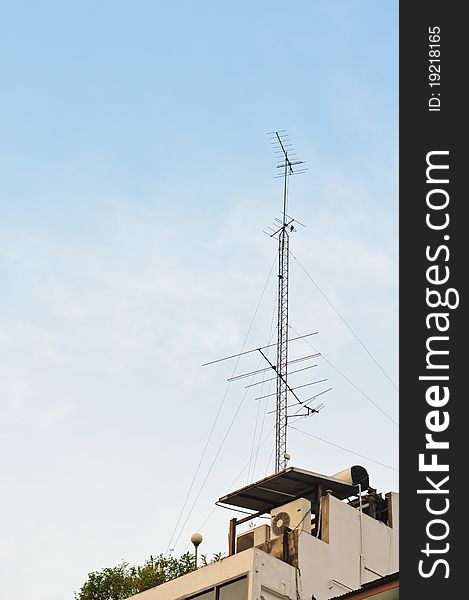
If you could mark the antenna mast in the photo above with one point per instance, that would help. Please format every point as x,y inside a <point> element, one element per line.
<point>282,228</point>
<point>280,141</point>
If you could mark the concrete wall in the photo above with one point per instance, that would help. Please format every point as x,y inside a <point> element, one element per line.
<point>381,545</point>
<point>272,579</point>
<point>332,568</point>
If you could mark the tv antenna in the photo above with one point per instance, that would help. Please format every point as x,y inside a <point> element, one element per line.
<point>282,228</point>
<point>282,145</point>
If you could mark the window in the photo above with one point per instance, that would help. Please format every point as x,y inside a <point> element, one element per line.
<point>207,595</point>
<point>232,590</point>
<point>236,590</point>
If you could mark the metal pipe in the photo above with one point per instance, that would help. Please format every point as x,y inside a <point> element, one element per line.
<point>361,532</point>
<point>232,537</point>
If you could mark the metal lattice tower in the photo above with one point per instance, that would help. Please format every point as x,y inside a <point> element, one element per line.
<point>284,392</point>
<point>282,352</point>
<point>282,311</point>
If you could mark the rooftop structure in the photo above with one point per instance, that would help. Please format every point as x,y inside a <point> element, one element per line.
<point>328,536</point>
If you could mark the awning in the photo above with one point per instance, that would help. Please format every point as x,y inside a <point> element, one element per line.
<point>283,487</point>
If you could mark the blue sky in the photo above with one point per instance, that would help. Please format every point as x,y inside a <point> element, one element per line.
<point>136,181</point>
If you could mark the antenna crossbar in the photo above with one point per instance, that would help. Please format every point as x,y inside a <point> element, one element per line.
<point>273,378</point>
<point>258,371</point>
<point>312,410</point>
<point>309,400</point>
<point>255,349</point>
<point>294,388</point>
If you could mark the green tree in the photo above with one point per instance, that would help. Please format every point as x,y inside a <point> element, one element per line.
<point>124,580</point>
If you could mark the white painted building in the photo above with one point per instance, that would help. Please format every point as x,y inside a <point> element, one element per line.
<point>325,539</point>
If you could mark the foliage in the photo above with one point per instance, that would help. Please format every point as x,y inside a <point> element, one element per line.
<point>204,560</point>
<point>124,580</point>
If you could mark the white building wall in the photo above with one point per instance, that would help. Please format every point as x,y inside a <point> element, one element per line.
<point>381,545</point>
<point>333,568</point>
<point>272,579</point>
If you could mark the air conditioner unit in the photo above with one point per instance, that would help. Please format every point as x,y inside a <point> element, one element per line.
<point>294,515</point>
<point>253,537</point>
